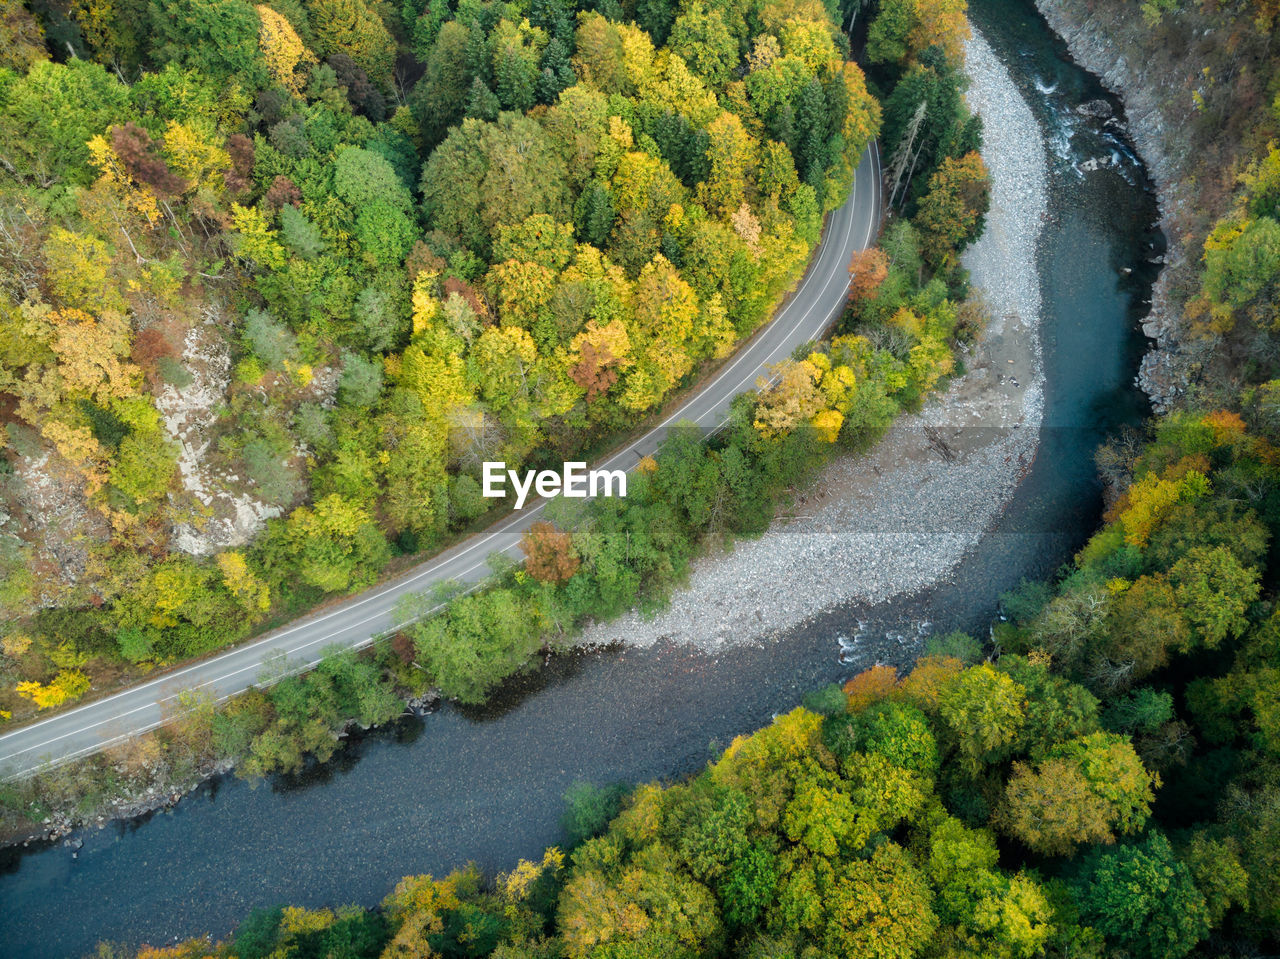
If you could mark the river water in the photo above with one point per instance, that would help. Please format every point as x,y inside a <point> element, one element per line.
<point>486,785</point>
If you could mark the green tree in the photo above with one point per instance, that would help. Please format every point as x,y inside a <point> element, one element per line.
<point>1246,268</point>
<point>439,98</point>
<point>984,711</point>
<point>479,641</point>
<point>1213,591</point>
<point>1143,899</point>
<point>701,38</point>
<point>486,175</point>
<point>334,545</point>
<point>213,37</point>
<point>50,114</point>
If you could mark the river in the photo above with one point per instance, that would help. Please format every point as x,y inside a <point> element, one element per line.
<point>486,785</point>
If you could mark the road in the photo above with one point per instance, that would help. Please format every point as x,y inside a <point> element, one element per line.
<point>807,314</point>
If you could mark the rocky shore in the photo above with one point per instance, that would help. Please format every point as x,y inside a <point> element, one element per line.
<point>1110,52</point>
<point>151,790</point>
<point>901,518</point>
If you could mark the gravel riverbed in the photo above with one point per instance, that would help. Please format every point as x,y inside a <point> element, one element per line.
<point>901,517</point>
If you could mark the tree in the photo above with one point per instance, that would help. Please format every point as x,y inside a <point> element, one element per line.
<point>353,27</point>
<point>21,39</point>
<point>213,37</point>
<point>482,103</point>
<point>598,57</point>
<point>589,809</point>
<point>369,184</point>
<point>900,733</point>
<point>282,50</point>
<point>438,99</point>
<point>69,684</point>
<point>300,234</point>
<point>270,341</point>
<point>984,710</point>
<point>242,583</point>
<point>517,51</point>
<point>1213,591</point>
<point>887,39</point>
<point>1218,873</point>
<point>1143,899</point>
<point>486,175</point>
<point>52,112</point>
<point>879,907</point>
<point>791,399</point>
<point>134,148</point>
<point>903,29</point>
<point>549,553</point>
<point>479,641</point>
<point>1145,627</point>
<point>365,99</point>
<point>650,907</point>
<point>701,38</point>
<point>988,912</point>
<point>867,270</point>
<point>731,154</point>
<point>1086,790</point>
<point>144,465</point>
<point>361,382</point>
<point>1246,267</point>
<point>940,23</point>
<point>953,210</point>
<point>335,544</point>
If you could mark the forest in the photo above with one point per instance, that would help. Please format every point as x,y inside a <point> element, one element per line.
<point>278,278</point>
<point>1098,778</point>
<point>688,191</point>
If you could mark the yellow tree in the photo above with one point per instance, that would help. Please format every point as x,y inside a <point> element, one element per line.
<point>731,152</point>
<point>416,910</point>
<point>1087,790</point>
<point>665,305</point>
<point>284,52</point>
<point>523,291</point>
<point>941,22</point>
<point>862,115</point>
<point>256,242</point>
<point>78,270</point>
<point>90,354</point>
<point>500,364</point>
<point>810,41</point>
<point>67,685</point>
<point>241,582</point>
<point>666,316</point>
<point>432,367</point>
<point>792,398</point>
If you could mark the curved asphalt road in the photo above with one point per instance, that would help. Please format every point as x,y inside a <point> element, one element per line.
<point>807,314</point>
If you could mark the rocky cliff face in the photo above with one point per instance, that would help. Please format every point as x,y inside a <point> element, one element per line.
<point>1118,52</point>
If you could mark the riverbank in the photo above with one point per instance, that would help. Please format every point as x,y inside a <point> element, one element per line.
<point>901,517</point>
